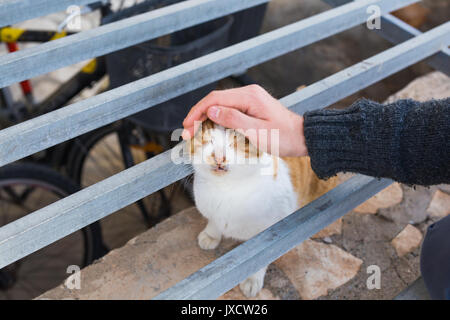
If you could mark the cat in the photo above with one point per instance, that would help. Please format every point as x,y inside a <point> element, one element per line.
<point>242,190</point>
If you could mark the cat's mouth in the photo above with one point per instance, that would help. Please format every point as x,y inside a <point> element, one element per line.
<point>219,169</point>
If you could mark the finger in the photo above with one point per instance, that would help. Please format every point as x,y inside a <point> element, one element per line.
<point>245,99</point>
<point>190,131</point>
<point>234,119</point>
<point>248,126</point>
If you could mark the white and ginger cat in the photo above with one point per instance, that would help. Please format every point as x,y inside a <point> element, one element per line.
<point>243,191</point>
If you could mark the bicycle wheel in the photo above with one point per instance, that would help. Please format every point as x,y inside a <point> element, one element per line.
<point>100,154</point>
<point>24,188</point>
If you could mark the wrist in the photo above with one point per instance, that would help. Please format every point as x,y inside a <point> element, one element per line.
<point>297,144</point>
<point>303,151</point>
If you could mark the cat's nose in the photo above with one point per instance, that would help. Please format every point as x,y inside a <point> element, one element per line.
<point>220,159</point>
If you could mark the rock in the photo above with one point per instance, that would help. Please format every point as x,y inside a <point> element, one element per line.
<point>314,268</point>
<point>334,228</point>
<point>407,240</point>
<point>435,85</point>
<point>439,205</point>
<point>414,14</point>
<point>236,294</point>
<point>386,198</point>
<point>413,209</point>
<point>444,187</point>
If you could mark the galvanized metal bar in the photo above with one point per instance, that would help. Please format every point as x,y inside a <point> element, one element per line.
<point>49,224</point>
<point>13,11</point>
<point>397,31</point>
<point>369,71</point>
<point>50,129</point>
<point>55,221</point>
<point>224,273</point>
<point>28,63</point>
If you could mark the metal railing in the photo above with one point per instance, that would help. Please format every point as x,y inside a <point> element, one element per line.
<point>61,218</point>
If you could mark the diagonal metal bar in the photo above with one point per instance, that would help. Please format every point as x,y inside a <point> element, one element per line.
<point>50,129</point>
<point>49,224</point>
<point>224,273</point>
<point>397,31</point>
<point>59,219</point>
<point>13,11</point>
<point>28,63</point>
<point>369,71</point>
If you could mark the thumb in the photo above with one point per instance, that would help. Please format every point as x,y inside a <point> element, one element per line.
<point>234,119</point>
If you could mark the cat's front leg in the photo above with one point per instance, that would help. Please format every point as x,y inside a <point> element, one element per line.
<point>251,286</point>
<point>210,237</point>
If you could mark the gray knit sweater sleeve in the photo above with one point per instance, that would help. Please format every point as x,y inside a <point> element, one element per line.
<point>407,141</point>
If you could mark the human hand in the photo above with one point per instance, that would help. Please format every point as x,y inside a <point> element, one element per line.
<point>248,110</point>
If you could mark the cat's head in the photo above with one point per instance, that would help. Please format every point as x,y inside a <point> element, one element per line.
<point>220,152</point>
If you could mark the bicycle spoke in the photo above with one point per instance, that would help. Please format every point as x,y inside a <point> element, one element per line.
<point>26,193</point>
<point>104,164</point>
<point>9,190</point>
<point>19,196</point>
<point>115,154</point>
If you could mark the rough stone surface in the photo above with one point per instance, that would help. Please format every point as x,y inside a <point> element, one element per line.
<point>437,86</point>
<point>439,205</point>
<point>315,268</point>
<point>388,197</point>
<point>148,264</point>
<point>368,237</point>
<point>332,229</point>
<point>407,240</point>
<point>413,208</point>
<point>159,258</point>
<point>236,294</point>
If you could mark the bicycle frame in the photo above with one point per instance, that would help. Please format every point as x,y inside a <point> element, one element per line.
<point>12,112</point>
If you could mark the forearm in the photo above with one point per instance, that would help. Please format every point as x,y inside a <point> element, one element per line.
<point>407,141</point>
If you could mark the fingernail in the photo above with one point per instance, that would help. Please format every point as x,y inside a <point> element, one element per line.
<point>185,135</point>
<point>214,112</point>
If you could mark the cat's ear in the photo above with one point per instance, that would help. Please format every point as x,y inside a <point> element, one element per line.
<point>244,145</point>
<point>200,136</point>
<point>191,146</point>
<point>208,124</point>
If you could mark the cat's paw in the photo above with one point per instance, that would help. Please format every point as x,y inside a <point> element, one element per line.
<point>206,242</point>
<point>251,286</point>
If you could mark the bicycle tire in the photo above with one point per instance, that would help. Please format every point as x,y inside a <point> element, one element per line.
<point>41,174</point>
<point>86,165</point>
<point>34,178</point>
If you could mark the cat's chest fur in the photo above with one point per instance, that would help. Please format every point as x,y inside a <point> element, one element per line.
<point>241,208</point>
